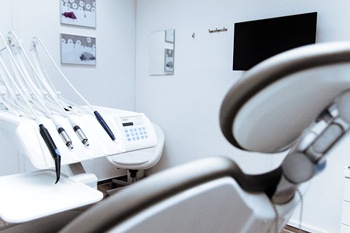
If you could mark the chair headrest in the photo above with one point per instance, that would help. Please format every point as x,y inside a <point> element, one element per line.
<point>270,106</point>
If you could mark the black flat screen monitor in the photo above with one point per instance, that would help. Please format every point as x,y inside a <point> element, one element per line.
<point>255,41</point>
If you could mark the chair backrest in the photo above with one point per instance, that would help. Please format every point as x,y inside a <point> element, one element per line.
<point>201,196</point>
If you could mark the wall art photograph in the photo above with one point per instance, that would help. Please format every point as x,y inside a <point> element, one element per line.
<point>78,12</point>
<point>78,50</point>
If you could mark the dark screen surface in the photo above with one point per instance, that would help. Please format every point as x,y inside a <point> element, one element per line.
<point>255,41</point>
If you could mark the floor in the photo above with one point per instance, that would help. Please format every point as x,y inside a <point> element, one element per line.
<point>290,229</point>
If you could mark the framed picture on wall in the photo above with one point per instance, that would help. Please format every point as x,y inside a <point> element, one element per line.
<point>78,12</point>
<point>79,50</point>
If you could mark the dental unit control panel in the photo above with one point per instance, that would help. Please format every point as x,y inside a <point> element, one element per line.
<point>133,130</point>
<point>138,132</point>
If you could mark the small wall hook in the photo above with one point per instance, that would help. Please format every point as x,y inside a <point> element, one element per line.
<point>217,30</point>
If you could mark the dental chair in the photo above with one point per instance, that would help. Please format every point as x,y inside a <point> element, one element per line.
<point>297,101</point>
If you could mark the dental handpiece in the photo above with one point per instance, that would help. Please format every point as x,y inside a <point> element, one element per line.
<point>66,139</point>
<point>104,125</point>
<point>53,150</point>
<point>81,135</point>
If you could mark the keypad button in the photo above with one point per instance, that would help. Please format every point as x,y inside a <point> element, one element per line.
<point>136,133</point>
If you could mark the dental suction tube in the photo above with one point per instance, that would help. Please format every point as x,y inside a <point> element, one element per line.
<point>26,83</point>
<point>53,150</point>
<point>18,94</point>
<point>44,82</point>
<point>98,116</point>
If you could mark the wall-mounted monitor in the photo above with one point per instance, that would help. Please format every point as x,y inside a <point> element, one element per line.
<point>257,40</point>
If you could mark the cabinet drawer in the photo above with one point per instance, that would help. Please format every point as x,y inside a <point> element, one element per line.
<point>344,229</point>
<point>346,196</point>
<point>345,219</point>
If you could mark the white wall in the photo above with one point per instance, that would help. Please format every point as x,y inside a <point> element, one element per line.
<point>110,83</point>
<point>186,105</point>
